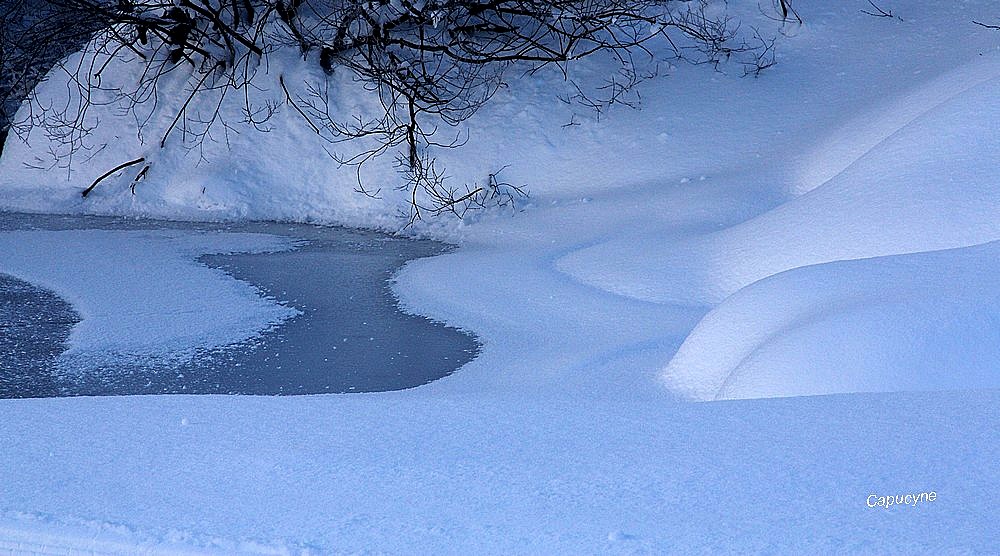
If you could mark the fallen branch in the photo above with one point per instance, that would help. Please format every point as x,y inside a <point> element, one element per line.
<point>110,172</point>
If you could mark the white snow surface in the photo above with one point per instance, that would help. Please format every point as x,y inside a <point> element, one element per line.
<point>924,321</point>
<point>828,228</point>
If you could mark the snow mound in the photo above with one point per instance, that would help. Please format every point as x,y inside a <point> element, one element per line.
<point>857,137</point>
<point>925,321</point>
<point>106,275</point>
<point>869,282</point>
<point>930,184</point>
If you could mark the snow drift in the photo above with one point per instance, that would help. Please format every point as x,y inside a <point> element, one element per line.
<point>919,322</point>
<point>925,321</point>
<point>929,184</point>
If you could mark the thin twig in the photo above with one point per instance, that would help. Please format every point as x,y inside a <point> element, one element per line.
<point>880,11</point>
<point>985,25</point>
<point>139,176</point>
<point>281,80</point>
<point>163,142</point>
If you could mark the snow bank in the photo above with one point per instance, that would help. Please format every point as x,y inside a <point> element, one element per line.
<point>914,322</point>
<point>864,133</point>
<point>926,321</point>
<point>554,148</point>
<point>930,184</point>
<point>279,170</point>
<point>142,295</point>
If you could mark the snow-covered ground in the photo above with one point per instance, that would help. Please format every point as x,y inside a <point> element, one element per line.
<point>827,228</point>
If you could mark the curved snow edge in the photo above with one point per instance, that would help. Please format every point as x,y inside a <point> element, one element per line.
<point>922,321</point>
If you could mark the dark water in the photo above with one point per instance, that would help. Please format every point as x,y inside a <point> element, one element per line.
<point>351,337</point>
<point>34,326</point>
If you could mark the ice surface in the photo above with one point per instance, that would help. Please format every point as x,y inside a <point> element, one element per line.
<point>348,335</point>
<point>142,294</point>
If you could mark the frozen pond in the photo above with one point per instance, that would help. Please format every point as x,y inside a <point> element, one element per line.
<point>350,337</point>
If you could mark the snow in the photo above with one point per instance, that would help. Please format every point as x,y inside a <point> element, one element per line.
<point>440,471</point>
<point>829,228</point>
<point>924,321</point>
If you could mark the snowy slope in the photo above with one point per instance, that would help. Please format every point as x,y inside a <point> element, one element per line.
<point>829,227</point>
<point>931,184</point>
<point>928,184</point>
